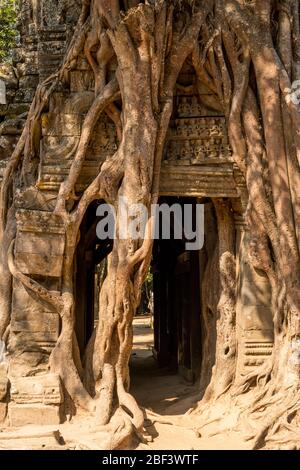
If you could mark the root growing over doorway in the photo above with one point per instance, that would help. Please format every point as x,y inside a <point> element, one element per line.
<point>248,54</point>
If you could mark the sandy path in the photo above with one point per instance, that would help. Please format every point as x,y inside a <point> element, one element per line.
<point>168,394</point>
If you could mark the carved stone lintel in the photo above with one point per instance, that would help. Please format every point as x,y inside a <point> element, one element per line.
<point>198,181</point>
<point>198,140</point>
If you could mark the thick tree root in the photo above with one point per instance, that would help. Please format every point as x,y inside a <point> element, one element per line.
<point>150,43</point>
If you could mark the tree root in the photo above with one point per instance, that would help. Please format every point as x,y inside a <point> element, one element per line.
<point>61,360</point>
<point>284,405</point>
<point>52,298</point>
<point>253,379</point>
<point>109,94</point>
<point>150,46</point>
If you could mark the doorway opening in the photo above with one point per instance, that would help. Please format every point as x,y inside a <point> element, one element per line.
<point>90,272</point>
<point>169,331</point>
<point>177,298</point>
<point>168,337</point>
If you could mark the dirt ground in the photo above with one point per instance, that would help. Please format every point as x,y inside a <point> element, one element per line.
<point>169,396</point>
<point>165,396</point>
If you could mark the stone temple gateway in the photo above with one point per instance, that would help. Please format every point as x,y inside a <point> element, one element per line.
<point>197,167</point>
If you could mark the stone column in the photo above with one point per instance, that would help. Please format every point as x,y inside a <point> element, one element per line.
<point>35,394</point>
<point>254,315</point>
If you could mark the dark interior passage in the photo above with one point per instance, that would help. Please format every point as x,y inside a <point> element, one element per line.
<point>177,303</point>
<point>90,272</point>
<point>177,275</point>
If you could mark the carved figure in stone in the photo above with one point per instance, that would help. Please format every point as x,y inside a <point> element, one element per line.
<point>185,151</point>
<point>195,107</point>
<point>184,107</point>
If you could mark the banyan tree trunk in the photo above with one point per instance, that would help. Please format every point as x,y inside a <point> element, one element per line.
<point>247,53</point>
<point>147,87</point>
<point>119,295</point>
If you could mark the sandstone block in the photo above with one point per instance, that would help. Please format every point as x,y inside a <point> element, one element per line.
<point>22,415</point>
<point>3,411</point>
<point>3,382</point>
<point>42,389</point>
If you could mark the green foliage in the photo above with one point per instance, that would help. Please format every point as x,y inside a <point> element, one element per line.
<point>8,31</point>
<point>149,278</point>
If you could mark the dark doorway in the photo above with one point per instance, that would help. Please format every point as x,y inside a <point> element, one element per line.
<point>177,302</point>
<point>166,359</point>
<point>177,276</point>
<point>90,271</point>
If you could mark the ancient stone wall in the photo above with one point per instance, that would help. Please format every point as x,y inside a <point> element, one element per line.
<point>197,162</point>
<point>45,27</point>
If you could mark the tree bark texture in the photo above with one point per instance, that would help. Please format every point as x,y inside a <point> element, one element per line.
<point>247,53</point>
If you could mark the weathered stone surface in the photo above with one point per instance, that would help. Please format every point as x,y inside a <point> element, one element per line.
<point>27,69</point>
<point>25,95</point>
<point>12,127</point>
<point>29,439</point>
<point>34,332</point>
<point>34,327</point>
<point>27,358</point>
<point>40,243</point>
<point>15,109</point>
<point>29,81</point>
<point>40,253</point>
<point>7,74</point>
<point>3,382</point>
<point>71,103</point>
<point>44,389</point>
<point>45,326</point>
<point>254,315</point>
<point>3,411</point>
<point>57,149</point>
<point>61,125</point>
<point>199,180</point>
<point>7,145</point>
<point>22,415</point>
<point>33,199</point>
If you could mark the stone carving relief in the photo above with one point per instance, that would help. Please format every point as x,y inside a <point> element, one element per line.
<point>36,398</point>
<point>198,140</point>
<point>197,134</point>
<point>61,132</point>
<point>254,314</point>
<point>47,391</point>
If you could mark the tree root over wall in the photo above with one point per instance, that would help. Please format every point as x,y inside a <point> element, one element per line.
<point>247,53</point>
